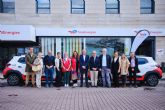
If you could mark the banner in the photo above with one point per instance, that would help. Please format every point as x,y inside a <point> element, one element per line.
<point>140,37</point>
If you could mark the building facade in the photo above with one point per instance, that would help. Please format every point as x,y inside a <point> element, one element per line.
<point>68,25</point>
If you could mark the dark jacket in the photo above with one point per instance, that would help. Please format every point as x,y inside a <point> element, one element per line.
<point>108,58</point>
<point>49,60</point>
<point>84,63</point>
<point>136,65</point>
<point>94,64</point>
<point>29,60</point>
<point>115,66</point>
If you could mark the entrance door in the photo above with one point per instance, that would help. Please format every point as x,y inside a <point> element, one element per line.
<point>147,48</point>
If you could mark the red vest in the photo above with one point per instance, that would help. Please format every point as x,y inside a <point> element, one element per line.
<point>66,64</point>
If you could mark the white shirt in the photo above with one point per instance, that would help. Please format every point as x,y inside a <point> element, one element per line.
<point>94,59</point>
<point>104,61</point>
<point>84,57</point>
<point>57,61</point>
<point>132,62</point>
<point>31,55</point>
<point>115,59</point>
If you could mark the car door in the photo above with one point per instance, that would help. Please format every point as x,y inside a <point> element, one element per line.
<point>143,66</point>
<point>21,65</point>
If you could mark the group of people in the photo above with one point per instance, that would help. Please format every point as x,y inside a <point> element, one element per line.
<point>70,68</point>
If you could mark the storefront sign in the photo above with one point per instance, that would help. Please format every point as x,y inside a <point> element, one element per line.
<point>140,37</point>
<point>81,32</point>
<point>46,31</point>
<point>17,33</point>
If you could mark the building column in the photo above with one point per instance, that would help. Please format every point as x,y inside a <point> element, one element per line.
<point>159,6</point>
<point>95,6</point>
<point>25,7</point>
<point>60,6</point>
<point>130,8</point>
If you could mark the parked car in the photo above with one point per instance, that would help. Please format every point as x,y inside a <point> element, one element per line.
<point>15,70</point>
<point>150,71</point>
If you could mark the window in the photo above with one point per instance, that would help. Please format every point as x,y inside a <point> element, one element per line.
<point>147,6</point>
<point>21,60</point>
<point>61,44</point>
<point>112,44</point>
<point>112,6</point>
<point>7,6</point>
<point>142,61</point>
<point>43,6</point>
<point>77,7</point>
<point>70,44</point>
<point>1,6</point>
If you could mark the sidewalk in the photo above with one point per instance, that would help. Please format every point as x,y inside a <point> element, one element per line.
<point>141,98</point>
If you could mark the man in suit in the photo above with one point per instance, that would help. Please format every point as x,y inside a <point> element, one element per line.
<point>29,59</point>
<point>49,62</point>
<point>133,68</point>
<point>84,60</point>
<point>94,68</point>
<point>105,65</point>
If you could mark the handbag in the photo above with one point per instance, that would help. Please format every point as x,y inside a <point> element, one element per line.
<point>74,75</point>
<point>36,68</point>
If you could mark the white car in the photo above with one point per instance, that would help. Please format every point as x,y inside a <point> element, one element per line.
<point>150,72</point>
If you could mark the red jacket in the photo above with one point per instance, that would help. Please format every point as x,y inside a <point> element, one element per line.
<point>66,64</point>
<point>73,62</point>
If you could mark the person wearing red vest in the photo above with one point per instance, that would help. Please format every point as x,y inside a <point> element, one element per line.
<point>66,68</point>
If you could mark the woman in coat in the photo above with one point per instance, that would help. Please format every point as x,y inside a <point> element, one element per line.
<point>74,67</point>
<point>39,62</point>
<point>123,69</point>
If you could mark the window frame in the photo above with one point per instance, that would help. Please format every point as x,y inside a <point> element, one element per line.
<point>3,8</point>
<point>37,8</point>
<point>77,8</point>
<point>152,8</point>
<point>118,7</point>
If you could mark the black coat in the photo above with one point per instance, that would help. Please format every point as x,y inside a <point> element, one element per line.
<point>108,58</point>
<point>84,63</point>
<point>49,60</point>
<point>93,64</point>
<point>115,66</point>
<point>136,65</point>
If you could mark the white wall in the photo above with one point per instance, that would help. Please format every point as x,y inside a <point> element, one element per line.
<point>95,15</point>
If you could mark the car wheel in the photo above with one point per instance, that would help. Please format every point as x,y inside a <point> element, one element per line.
<point>152,80</point>
<point>13,80</point>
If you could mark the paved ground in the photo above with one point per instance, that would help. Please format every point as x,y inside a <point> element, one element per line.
<point>142,98</point>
